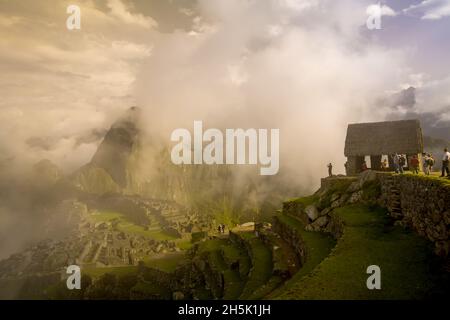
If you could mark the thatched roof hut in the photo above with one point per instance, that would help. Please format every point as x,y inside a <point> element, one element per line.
<point>383,138</point>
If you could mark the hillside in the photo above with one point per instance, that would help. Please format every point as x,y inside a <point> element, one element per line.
<point>316,247</point>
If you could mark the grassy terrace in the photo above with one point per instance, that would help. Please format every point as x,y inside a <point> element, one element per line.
<point>233,253</point>
<point>220,252</point>
<point>128,227</point>
<point>305,201</point>
<point>318,247</point>
<point>167,262</point>
<point>262,265</point>
<point>406,262</point>
<point>435,176</point>
<point>118,271</point>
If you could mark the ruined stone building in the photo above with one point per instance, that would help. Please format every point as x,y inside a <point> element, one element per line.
<point>379,139</point>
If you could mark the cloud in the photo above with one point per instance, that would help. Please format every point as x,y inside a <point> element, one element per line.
<point>434,96</point>
<point>57,84</point>
<point>430,9</point>
<point>383,10</point>
<point>309,79</point>
<point>122,13</point>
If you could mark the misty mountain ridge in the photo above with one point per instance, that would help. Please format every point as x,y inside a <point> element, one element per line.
<point>402,106</point>
<point>127,163</point>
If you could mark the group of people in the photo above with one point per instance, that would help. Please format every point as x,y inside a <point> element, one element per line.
<point>400,161</point>
<point>221,228</point>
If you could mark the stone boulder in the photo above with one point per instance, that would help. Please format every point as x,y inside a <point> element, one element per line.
<point>312,212</point>
<point>321,221</point>
<point>355,197</point>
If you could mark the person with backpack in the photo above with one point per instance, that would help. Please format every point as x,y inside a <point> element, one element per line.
<point>395,160</point>
<point>401,163</point>
<point>445,163</point>
<point>414,164</point>
<point>425,163</point>
<point>431,162</point>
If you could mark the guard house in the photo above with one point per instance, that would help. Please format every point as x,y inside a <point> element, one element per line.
<point>379,139</point>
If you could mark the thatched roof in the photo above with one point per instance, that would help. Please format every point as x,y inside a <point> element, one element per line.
<point>382,138</point>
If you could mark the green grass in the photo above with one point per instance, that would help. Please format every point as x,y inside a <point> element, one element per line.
<point>267,288</point>
<point>184,244</point>
<point>146,289</point>
<point>128,227</point>
<point>219,253</point>
<point>403,257</point>
<point>432,177</point>
<point>305,201</point>
<point>167,263</point>
<point>318,247</point>
<point>106,216</point>
<point>262,265</point>
<point>118,271</point>
<point>211,245</point>
<point>232,253</point>
<point>233,284</point>
<point>131,228</point>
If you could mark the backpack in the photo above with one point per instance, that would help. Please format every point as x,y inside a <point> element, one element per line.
<point>430,162</point>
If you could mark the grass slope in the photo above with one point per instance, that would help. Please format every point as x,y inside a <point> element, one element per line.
<point>128,227</point>
<point>405,260</point>
<point>220,253</point>
<point>318,245</point>
<point>262,265</point>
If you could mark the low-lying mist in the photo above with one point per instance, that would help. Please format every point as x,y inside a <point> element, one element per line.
<point>303,67</point>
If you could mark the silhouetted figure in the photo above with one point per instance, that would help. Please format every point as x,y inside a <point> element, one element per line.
<point>330,169</point>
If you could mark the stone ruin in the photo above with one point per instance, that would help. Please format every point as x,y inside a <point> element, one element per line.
<point>379,139</point>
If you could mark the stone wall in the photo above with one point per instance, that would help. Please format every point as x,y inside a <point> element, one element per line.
<point>421,203</point>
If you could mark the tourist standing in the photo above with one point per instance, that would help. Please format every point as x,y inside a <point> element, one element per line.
<point>384,165</point>
<point>396,161</point>
<point>364,166</point>
<point>401,163</point>
<point>431,163</point>
<point>445,163</point>
<point>426,158</point>
<point>330,169</point>
<point>414,164</point>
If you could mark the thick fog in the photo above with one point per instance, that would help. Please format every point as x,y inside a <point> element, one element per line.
<point>305,67</point>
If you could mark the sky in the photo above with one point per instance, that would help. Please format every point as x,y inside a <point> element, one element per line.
<point>308,67</point>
